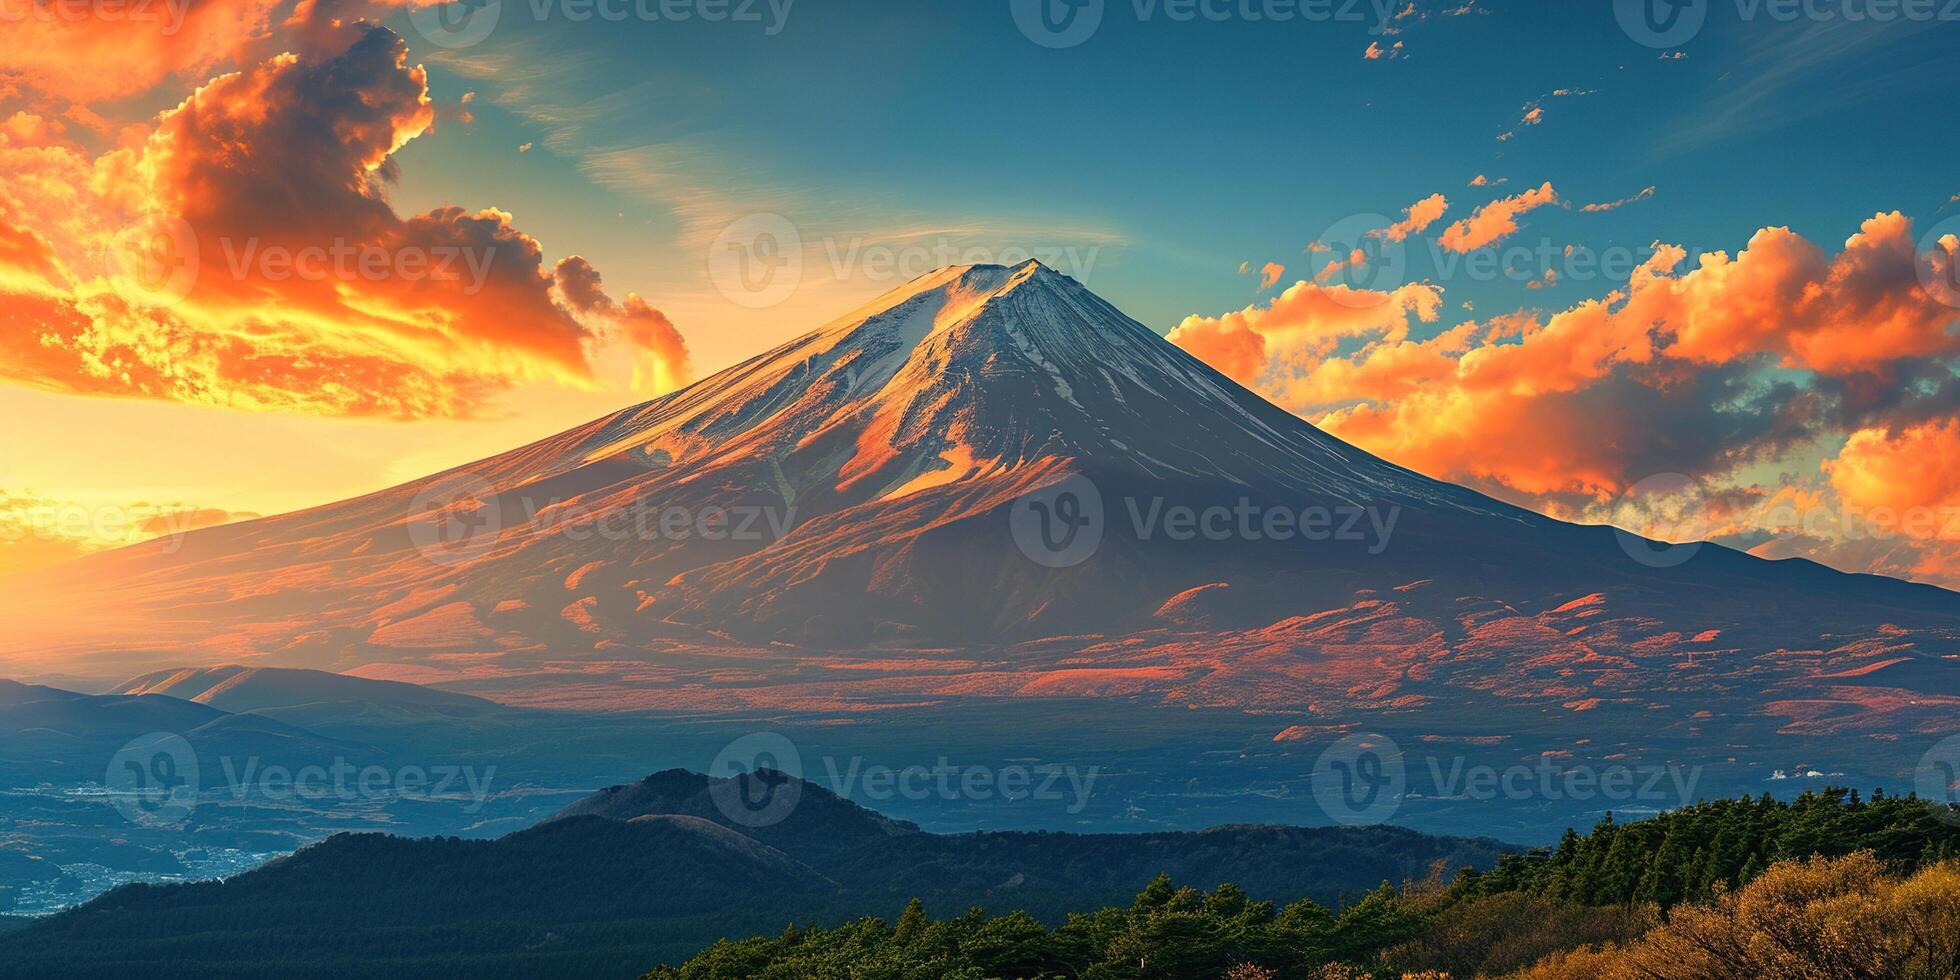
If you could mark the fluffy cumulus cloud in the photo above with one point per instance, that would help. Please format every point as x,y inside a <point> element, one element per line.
<point>1884,470</point>
<point>66,55</point>
<point>81,54</point>
<point>1774,358</point>
<point>1303,325</point>
<point>1495,221</point>
<point>239,249</point>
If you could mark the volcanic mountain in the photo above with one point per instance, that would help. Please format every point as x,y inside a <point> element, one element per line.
<point>991,483</point>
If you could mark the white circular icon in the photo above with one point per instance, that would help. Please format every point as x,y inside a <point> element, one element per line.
<point>1059,525</point>
<point>1359,256</point>
<point>757,261</point>
<point>1939,262</point>
<point>153,780</point>
<point>759,779</point>
<point>153,261</point>
<point>1661,23</point>
<point>455,519</point>
<point>1671,512</point>
<point>1937,779</point>
<point>1057,23</point>
<point>1360,779</point>
<point>457,24</point>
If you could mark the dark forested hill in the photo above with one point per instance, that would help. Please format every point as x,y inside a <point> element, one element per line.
<point>1815,887</point>
<point>659,870</point>
<point>652,872</point>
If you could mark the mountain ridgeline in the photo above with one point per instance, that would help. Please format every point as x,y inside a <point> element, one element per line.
<point>660,871</point>
<point>654,871</point>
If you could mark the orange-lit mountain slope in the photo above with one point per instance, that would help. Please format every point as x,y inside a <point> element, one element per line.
<point>873,515</point>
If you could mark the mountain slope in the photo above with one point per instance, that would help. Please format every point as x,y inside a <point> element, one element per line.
<point>47,734</point>
<point>234,688</point>
<point>831,527</point>
<point>824,822</point>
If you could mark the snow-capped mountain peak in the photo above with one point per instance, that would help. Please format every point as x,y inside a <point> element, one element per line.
<point>981,368</point>
<point>879,461</point>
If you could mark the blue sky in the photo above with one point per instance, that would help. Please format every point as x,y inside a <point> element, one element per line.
<point>1181,148</point>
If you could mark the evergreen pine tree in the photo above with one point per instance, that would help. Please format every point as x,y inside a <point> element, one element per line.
<point>911,923</point>
<point>1666,878</point>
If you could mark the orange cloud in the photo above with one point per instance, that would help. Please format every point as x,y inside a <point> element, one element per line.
<point>1891,506</point>
<point>91,53</point>
<point>1415,218</point>
<point>254,261</point>
<point>1496,220</point>
<point>1353,260</point>
<point>663,363</point>
<point>1667,374</point>
<point>1269,274</point>
<point>1644,194</point>
<point>1860,310</point>
<point>1914,468</point>
<point>1230,346</point>
<point>85,55</point>
<point>1453,409</point>
<point>1301,325</point>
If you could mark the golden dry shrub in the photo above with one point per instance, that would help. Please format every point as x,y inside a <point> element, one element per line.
<point>1340,971</point>
<point>1496,934</point>
<point>1821,919</point>
<point>1250,971</point>
<point>1927,908</point>
<point>1585,963</point>
<point>1344,971</point>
